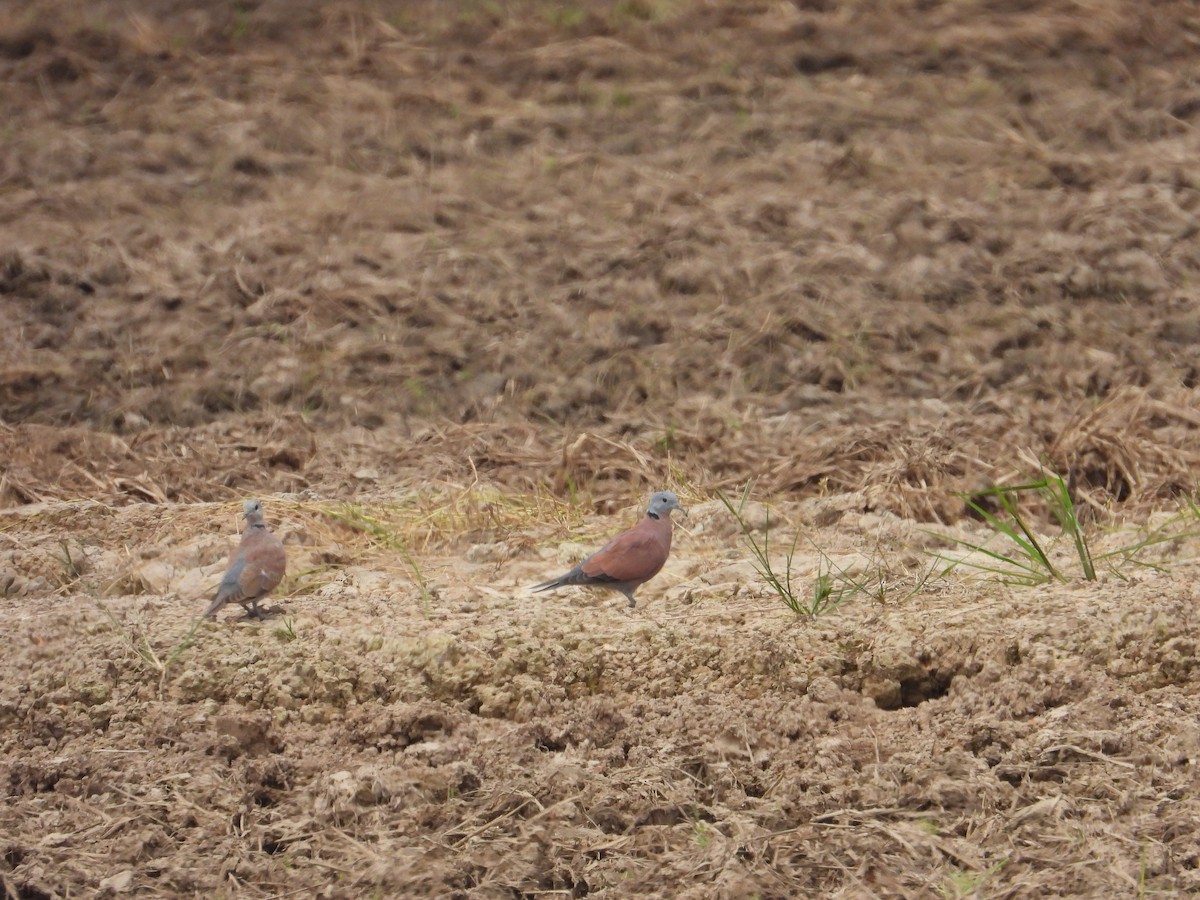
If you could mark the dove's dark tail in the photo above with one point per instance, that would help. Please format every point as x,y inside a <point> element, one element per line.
<point>215,606</point>
<point>574,577</point>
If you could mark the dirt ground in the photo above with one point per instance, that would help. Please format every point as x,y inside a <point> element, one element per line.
<point>453,286</point>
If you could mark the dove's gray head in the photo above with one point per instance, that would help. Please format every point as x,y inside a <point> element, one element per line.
<point>252,511</point>
<point>662,503</point>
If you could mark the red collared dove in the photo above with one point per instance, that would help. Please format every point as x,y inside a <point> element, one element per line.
<point>630,559</point>
<point>255,568</point>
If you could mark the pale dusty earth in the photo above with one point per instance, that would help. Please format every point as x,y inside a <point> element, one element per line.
<point>453,286</point>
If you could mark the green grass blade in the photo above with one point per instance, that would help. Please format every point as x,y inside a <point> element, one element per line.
<point>1064,507</point>
<point>994,554</point>
<point>1004,528</point>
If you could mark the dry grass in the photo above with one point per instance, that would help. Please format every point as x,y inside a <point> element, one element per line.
<point>708,294</point>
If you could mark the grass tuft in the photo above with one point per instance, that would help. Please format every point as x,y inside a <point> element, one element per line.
<point>287,631</point>
<point>1024,560</point>
<point>829,589</point>
<point>833,585</point>
<point>140,644</point>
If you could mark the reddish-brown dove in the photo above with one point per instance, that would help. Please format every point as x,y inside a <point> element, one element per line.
<point>630,559</point>
<point>255,568</point>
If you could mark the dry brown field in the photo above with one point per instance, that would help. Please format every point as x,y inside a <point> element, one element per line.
<point>452,287</point>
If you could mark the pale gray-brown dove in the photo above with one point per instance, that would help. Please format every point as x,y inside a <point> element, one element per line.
<point>630,559</point>
<point>255,568</point>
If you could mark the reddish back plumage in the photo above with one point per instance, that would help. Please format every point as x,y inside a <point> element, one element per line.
<point>634,556</point>
<point>630,559</point>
